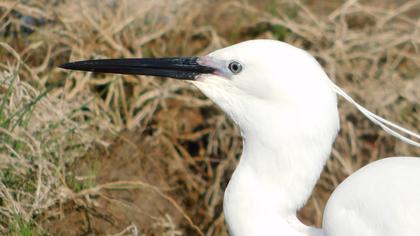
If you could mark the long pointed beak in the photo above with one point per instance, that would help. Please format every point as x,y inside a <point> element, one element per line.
<point>184,68</point>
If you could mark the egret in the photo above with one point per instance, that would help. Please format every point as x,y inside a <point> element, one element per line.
<point>286,108</point>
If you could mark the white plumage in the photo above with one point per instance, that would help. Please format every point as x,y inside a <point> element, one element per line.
<point>286,108</point>
<point>381,198</point>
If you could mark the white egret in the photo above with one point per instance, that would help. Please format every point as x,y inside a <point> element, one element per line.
<point>286,108</point>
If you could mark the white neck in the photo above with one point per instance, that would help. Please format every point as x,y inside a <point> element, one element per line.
<point>283,156</point>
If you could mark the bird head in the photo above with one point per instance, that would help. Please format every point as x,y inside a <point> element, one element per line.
<point>267,74</point>
<point>253,78</point>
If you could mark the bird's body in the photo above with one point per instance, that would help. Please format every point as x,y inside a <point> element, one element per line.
<point>286,108</point>
<point>289,120</point>
<point>380,199</point>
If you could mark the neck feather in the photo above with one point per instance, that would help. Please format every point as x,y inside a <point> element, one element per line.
<point>283,156</point>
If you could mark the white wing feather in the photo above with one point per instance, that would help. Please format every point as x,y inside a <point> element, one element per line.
<point>380,199</point>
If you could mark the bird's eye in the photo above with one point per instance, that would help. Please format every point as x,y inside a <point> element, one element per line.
<point>235,67</point>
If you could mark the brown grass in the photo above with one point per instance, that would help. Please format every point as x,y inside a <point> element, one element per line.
<point>50,119</point>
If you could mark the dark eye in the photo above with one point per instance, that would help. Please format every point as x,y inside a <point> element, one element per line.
<point>235,67</point>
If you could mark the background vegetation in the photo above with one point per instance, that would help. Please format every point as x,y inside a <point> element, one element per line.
<point>95,154</point>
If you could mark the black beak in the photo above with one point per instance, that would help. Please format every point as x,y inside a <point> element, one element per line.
<point>185,68</point>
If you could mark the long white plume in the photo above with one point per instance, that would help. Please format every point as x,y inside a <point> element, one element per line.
<point>389,127</point>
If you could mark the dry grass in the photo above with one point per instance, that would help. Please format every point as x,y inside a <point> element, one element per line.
<point>50,119</point>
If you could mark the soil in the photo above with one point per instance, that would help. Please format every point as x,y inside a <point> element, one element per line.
<point>132,157</point>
